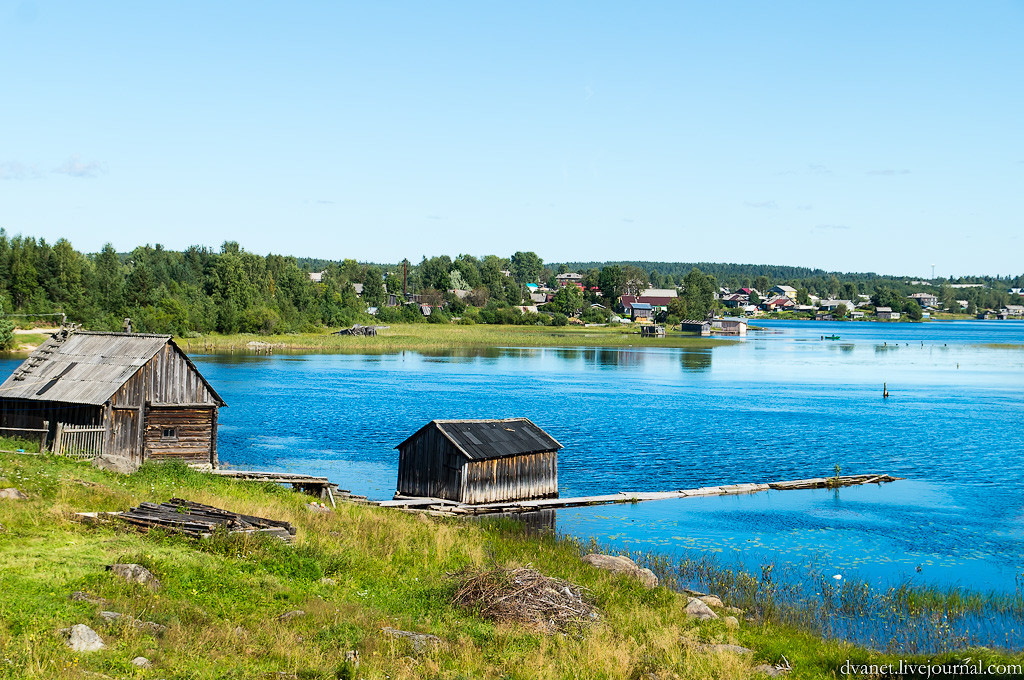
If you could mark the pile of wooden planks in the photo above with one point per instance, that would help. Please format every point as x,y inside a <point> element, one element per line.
<point>198,520</point>
<point>831,482</point>
<point>358,330</point>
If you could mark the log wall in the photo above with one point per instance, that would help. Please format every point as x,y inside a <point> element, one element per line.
<point>193,434</point>
<point>167,380</point>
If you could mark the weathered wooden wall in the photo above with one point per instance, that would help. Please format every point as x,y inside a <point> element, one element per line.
<point>165,380</point>
<point>193,427</point>
<point>29,413</point>
<point>533,475</point>
<point>428,465</point>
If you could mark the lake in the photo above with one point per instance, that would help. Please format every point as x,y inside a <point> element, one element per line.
<point>779,404</point>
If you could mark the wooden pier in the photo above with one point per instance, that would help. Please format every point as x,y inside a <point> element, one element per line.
<point>320,487</point>
<point>440,506</point>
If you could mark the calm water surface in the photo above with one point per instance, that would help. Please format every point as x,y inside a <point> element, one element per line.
<point>781,404</point>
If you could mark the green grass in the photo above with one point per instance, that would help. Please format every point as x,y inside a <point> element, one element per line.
<point>222,598</point>
<point>448,337</point>
<point>23,342</point>
<point>18,443</point>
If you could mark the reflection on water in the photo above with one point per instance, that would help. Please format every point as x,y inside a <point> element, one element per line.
<point>537,521</point>
<point>696,360</point>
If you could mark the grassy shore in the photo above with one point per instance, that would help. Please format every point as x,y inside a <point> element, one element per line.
<point>353,572</point>
<point>439,338</point>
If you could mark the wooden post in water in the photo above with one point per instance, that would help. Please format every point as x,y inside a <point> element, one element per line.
<point>885,391</point>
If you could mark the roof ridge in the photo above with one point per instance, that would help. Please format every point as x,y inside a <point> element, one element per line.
<point>478,420</point>
<point>125,335</point>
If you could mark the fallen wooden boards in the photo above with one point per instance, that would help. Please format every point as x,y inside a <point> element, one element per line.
<point>193,519</point>
<point>447,507</point>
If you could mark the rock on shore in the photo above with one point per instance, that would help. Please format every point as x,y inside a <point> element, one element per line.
<point>618,564</point>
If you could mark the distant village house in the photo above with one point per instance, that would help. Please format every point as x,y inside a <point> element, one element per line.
<point>785,291</point>
<point>925,299</point>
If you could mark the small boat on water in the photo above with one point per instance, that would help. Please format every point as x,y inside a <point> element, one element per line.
<point>830,337</point>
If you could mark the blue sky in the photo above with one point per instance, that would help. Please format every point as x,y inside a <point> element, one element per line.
<point>850,136</point>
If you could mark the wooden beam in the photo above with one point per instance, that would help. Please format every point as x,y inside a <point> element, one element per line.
<point>438,505</point>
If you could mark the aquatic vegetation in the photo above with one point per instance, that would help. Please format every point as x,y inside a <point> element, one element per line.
<point>904,616</point>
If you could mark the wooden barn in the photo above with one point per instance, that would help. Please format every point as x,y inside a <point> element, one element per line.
<point>129,396</point>
<point>479,461</point>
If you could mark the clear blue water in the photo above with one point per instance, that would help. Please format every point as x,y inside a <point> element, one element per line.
<point>780,404</point>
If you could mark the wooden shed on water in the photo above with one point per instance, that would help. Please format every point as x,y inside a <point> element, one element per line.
<point>479,461</point>
<point>130,396</point>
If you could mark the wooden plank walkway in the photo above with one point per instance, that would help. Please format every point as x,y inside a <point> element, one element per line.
<point>447,507</point>
<point>321,487</point>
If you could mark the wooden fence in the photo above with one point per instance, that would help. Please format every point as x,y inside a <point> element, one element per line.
<point>78,441</point>
<point>29,433</point>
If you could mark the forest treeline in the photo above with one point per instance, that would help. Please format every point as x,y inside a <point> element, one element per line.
<point>202,290</point>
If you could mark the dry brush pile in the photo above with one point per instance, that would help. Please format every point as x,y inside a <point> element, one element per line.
<point>525,596</point>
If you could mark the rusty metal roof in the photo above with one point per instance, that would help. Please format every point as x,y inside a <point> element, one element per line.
<point>85,367</point>
<point>486,439</point>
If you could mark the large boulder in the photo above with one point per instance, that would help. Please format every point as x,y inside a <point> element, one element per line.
<point>82,638</point>
<point>617,564</point>
<point>118,464</point>
<point>82,596</point>
<point>420,642</point>
<point>726,649</point>
<point>12,494</point>
<point>770,671</point>
<point>696,609</point>
<point>136,573</point>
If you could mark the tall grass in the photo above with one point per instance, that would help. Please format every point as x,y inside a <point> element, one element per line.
<point>18,444</point>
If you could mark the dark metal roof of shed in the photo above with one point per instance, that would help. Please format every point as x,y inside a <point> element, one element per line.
<point>486,439</point>
<point>86,367</point>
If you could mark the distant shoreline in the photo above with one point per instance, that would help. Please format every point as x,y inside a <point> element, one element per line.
<point>434,337</point>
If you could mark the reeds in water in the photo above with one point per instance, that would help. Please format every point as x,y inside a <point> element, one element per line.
<point>904,616</point>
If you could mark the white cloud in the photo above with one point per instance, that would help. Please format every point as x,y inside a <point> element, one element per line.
<point>75,167</point>
<point>18,170</point>
<point>888,172</point>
